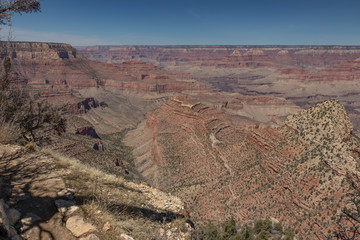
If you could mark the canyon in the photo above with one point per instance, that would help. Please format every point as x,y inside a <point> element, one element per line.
<point>224,128</point>
<point>304,75</point>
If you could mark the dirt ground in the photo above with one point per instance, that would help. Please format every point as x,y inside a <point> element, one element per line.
<point>31,184</point>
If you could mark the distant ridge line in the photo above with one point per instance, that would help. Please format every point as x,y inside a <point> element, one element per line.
<point>233,46</point>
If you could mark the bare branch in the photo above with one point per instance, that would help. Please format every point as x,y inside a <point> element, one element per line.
<point>9,7</point>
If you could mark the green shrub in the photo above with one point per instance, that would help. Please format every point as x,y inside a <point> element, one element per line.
<point>208,232</point>
<point>246,233</point>
<point>228,229</point>
<point>289,234</point>
<point>265,225</point>
<point>263,235</point>
<point>278,227</point>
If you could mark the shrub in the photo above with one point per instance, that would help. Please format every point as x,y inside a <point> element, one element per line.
<point>289,234</point>
<point>228,229</point>
<point>208,232</point>
<point>22,114</point>
<point>9,133</point>
<point>246,233</point>
<point>278,227</point>
<point>263,235</point>
<point>265,225</point>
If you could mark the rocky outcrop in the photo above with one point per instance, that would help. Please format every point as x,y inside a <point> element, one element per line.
<point>39,50</point>
<point>87,131</point>
<point>99,146</point>
<point>324,118</point>
<point>260,109</point>
<point>84,106</point>
<point>38,192</point>
<point>78,227</point>
<point>222,169</point>
<point>8,218</point>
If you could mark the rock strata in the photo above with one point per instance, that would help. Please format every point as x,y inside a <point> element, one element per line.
<point>222,169</point>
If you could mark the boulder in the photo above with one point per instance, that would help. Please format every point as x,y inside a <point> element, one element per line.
<point>87,131</point>
<point>78,227</point>
<point>5,230</point>
<point>13,215</point>
<point>106,227</point>
<point>30,219</point>
<point>66,207</point>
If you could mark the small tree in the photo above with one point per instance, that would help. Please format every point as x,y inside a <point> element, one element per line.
<point>17,108</point>
<point>9,7</point>
<point>33,117</point>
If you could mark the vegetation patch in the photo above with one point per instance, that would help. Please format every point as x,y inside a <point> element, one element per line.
<point>261,229</point>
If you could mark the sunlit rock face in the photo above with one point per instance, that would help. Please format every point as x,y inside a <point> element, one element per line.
<point>59,68</point>
<point>306,75</point>
<point>223,168</point>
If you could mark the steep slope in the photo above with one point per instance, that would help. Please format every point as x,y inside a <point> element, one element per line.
<point>299,173</point>
<point>49,196</point>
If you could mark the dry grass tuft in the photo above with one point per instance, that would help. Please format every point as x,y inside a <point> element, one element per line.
<point>31,147</point>
<point>107,200</point>
<point>9,133</point>
<point>77,167</point>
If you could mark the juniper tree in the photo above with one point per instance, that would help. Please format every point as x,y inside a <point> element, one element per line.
<point>9,7</point>
<point>17,107</point>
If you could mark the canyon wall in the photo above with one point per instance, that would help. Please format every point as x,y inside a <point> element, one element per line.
<point>299,174</point>
<point>60,68</point>
<point>222,125</point>
<point>305,75</point>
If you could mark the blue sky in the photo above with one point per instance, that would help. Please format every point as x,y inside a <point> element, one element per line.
<point>173,22</point>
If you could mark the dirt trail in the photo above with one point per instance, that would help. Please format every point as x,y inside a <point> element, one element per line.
<point>31,184</point>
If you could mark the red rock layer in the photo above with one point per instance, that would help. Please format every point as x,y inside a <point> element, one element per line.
<point>58,68</point>
<point>296,62</point>
<point>221,170</point>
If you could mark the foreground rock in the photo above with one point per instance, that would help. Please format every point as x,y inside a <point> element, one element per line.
<point>50,210</point>
<point>4,221</point>
<point>78,227</point>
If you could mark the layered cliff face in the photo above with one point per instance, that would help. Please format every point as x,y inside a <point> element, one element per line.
<point>290,55</point>
<point>39,50</point>
<point>299,173</point>
<point>226,151</point>
<point>59,68</point>
<point>305,75</point>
